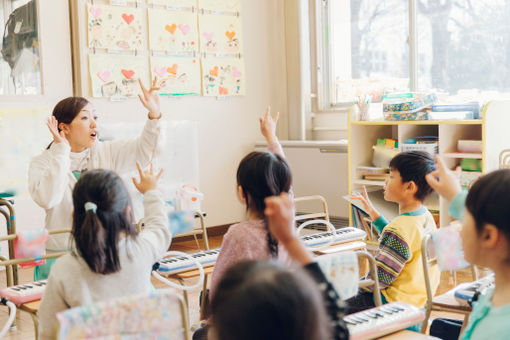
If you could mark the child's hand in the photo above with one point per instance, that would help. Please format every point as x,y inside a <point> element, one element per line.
<point>268,126</point>
<point>444,181</point>
<point>369,207</point>
<point>280,214</point>
<point>148,181</point>
<point>58,137</point>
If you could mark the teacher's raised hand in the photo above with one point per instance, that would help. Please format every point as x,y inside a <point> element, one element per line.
<point>58,136</point>
<point>150,99</point>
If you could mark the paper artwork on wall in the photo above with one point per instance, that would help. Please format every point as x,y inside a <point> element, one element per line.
<point>220,5</point>
<point>175,3</point>
<point>177,76</point>
<point>223,77</point>
<point>220,34</point>
<point>117,75</point>
<point>173,31</point>
<point>114,27</point>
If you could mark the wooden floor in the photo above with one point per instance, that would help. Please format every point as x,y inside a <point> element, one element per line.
<point>24,329</point>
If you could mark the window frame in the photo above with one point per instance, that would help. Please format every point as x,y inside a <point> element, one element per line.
<point>326,100</point>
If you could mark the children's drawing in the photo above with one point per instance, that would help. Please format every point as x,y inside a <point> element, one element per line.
<point>220,5</point>
<point>223,77</point>
<point>177,76</point>
<point>114,27</point>
<point>175,3</point>
<point>173,31</point>
<point>220,34</point>
<point>116,75</point>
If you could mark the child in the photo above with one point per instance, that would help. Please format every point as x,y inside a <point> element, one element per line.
<point>398,257</point>
<point>263,300</point>
<point>111,259</point>
<point>259,175</point>
<point>486,242</point>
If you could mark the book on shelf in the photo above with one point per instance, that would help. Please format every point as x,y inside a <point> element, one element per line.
<point>380,177</point>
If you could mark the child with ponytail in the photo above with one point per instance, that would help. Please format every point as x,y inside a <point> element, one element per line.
<point>259,175</point>
<point>111,259</point>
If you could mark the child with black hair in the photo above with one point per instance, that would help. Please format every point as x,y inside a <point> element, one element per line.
<point>259,175</point>
<point>264,300</point>
<point>111,259</point>
<point>398,257</point>
<point>486,242</point>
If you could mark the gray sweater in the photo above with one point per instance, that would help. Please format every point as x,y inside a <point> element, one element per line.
<point>72,283</point>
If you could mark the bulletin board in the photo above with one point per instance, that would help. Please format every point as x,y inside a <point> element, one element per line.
<point>193,47</point>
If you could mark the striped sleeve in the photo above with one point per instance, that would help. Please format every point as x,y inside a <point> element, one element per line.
<point>392,255</point>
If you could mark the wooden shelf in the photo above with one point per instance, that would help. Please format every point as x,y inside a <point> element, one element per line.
<point>367,182</point>
<point>420,122</point>
<point>462,155</point>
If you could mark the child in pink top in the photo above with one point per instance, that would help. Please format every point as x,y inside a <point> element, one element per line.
<point>259,175</point>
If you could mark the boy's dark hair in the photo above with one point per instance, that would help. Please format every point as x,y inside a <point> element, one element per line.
<point>414,166</point>
<point>97,233</point>
<point>488,200</point>
<point>262,300</point>
<point>261,175</point>
<point>67,109</point>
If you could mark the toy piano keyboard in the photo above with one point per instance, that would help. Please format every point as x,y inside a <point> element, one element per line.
<point>464,293</point>
<point>207,258</point>
<point>24,293</point>
<point>382,320</point>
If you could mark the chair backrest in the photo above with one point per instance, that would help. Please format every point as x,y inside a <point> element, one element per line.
<point>160,314</point>
<point>428,258</point>
<point>323,214</point>
<point>504,159</point>
<point>341,269</point>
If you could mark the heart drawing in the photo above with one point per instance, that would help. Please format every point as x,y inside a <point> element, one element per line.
<point>171,28</point>
<point>173,69</point>
<point>236,72</point>
<point>230,34</point>
<point>184,28</point>
<point>104,76</point>
<point>128,18</point>
<point>160,71</point>
<point>214,71</point>
<point>128,73</point>
<point>208,36</point>
<point>96,12</point>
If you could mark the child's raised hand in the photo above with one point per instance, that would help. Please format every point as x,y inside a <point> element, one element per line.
<point>268,126</point>
<point>150,99</point>
<point>148,181</point>
<point>369,207</point>
<point>58,137</point>
<point>444,181</point>
<point>280,215</point>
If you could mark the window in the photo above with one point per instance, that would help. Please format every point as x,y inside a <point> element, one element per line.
<point>462,48</point>
<point>19,52</point>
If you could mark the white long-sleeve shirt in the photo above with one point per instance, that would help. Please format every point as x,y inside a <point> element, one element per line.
<point>72,283</point>
<point>51,181</point>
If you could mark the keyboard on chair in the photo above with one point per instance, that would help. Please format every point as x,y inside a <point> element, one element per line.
<point>207,258</point>
<point>341,235</point>
<point>24,293</point>
<point>466,291</point>
<point>382,320</point>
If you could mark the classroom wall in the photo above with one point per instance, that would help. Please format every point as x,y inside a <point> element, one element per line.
<point>228,128</point>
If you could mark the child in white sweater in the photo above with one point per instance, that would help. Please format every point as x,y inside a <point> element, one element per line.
<point>111,259</point>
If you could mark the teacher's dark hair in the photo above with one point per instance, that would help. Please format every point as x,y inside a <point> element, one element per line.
<point>67,109</point>
<point>97,232</point>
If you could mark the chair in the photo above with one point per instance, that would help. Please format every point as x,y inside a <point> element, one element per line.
<point>504,159</point>
<point>364,283</point>
<point>33,306</point>
<point>10,220</point>
<point>445,302</point>
<point>160,314</point>
<point>324,214</point>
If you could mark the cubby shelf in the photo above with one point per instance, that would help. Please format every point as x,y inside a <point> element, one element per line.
<point>492,130</point>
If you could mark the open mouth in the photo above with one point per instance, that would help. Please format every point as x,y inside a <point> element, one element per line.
<point>93,135</point>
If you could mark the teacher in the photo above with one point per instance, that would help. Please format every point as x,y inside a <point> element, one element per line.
<point>75,148</point>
